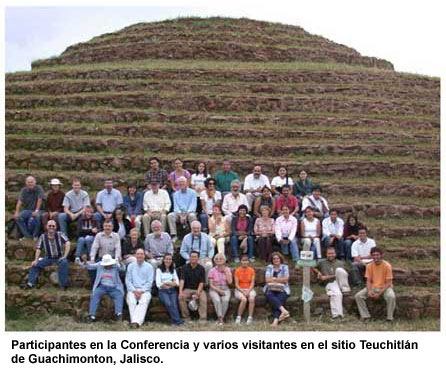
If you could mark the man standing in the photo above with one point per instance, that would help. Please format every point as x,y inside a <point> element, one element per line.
<point>254,183</point>
<point>184,207</point>
<point>155,172</point>
<point>156,205</point>
<point>54,201</point>
<point>157,245</point>
<point>105,242</point>
<point>332,232</point>
<point>107,201</point>
<point>198,241</point>
<point>361,249</point>
<point>56,246</point>
<point>331,271</point>
<point>379,283</point>
<point>138,279</point>
<point>29,219</point>
<point>192,279</point>
<point>225,177</point>
<point>233,201</point>
<point>74,204</point>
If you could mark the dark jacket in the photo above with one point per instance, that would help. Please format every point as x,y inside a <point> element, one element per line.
<point>82,229</point>
<point>127,226</point>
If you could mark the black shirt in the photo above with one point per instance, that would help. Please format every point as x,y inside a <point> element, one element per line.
<point>128,248</point>
<point>192,277</point>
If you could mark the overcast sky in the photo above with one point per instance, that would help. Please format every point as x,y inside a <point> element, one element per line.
<point>405,33</point>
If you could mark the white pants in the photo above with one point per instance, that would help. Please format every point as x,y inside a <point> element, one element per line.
<point>220,302</point>
<point>220,242</point>
<point>138,308</point>
<point>306,245</point>
<point>207,267</point>
<point>335,289</point>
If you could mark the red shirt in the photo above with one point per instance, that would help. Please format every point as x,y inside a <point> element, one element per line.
<point>291,203</point>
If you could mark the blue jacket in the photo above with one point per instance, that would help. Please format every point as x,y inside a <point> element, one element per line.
<point>137,209</point>
<point>115,271</point>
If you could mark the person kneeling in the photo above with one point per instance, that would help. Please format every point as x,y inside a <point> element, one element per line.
<point>138,279</point>
<point>107,283</point>
<point>244,289</point>
<point>331,271</point>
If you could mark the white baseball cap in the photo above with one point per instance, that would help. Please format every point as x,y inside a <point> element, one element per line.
<point>55,181</point>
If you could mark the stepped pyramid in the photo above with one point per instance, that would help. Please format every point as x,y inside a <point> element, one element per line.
<point>251,91</point>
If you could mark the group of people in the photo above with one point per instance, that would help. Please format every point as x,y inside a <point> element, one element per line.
<point>137,233</point>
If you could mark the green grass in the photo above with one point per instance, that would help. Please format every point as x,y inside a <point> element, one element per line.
<point>412,241</point>
<point>380,199</point>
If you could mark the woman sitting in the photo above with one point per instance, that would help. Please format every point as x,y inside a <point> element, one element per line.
<point>264,199</point>
<point>310,232</point>
<point>220,278</point>
<point>218,229</point>
<point>276,288</point>
<point>208,198</point>
<point>241,233</point>
<point>304,186</point>
<point>244,277</point>
<point>167,283</point>
<point>121,224</point>
<point>351,231</point>
<point>264,232</point>
<point>130,245</point>
<point>280,180</point>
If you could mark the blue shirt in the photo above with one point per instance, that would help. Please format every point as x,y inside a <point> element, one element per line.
<point>133,207</point>
<point>185,201</point>
<point>139,277</point>
<point>109,200</point>
<point>283,272</point>
<point>200,244</point>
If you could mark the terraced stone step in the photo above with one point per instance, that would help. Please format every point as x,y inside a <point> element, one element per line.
<point>199,145</point>
<point>230,102</point>
<point>17,272</point>
<point>14,181</point>
<point>401,232</point>
<point>63,87</point>
<point>195,131</point>
<point>284,73</point>
<point>24,250</point>
<point>209,50</point>
<point>138,163</point>
<point>412,303</point>
<point>107,115</point>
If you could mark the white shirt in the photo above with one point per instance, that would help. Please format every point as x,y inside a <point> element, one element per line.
<point>328,227</point>
<point>156,202</point>
<point>310,228</point>
<point>231,204</point>
<point>283,225</point>
<point>210,202</point>
<point>254,183</point>
<point>362,249</point>
<point>317,203</point>
<point>198,179</point>
<point>279,182</point>
<point>163,277</point>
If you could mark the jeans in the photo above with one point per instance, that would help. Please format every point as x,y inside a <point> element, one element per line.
<point>292,246</point>
<point>348,249</point>
<point>204,222</point>
<point>169,298</point>
<point>338,245</point>
<point>235,246</point>
<point>358,269</point>
<point>22,223</point>
<point>62,271</point>
<point>99,292</point>
<point>83,245</point>
<point>64,220</point>
<point>276,300</point>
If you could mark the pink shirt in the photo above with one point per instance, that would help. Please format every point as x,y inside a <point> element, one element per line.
<point>289,226</point>
<point>219,277</point>
<point>173,176</point>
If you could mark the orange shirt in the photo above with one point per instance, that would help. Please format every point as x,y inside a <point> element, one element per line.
<point>378,274</point>
<point>245,276</point>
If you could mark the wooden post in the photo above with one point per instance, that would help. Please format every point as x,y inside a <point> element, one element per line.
<point>306,283</point>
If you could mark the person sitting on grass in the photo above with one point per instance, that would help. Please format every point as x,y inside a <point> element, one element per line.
<point>304,186</point>
<point>265,199</point>
<point>56,246</point>
<point>191,289</point>
<point>220,278</point>
<point>241,233</point>
<point>289,200</point>
<point>351,231</point>
<point>244,277</point>
<point>167,282</point>
<point>87,229</point>
<point>379,283</point>
<point>332,273</point>
<point>276,288</point>
<point>138,280</point>
<point>108,283</point>
<point>218,229</point>
<point>281,180</point>
<point>317,202</point>
<point>54,200</point>
<point>157,244</point>
<point>121,224</point>
<point>310,231</point>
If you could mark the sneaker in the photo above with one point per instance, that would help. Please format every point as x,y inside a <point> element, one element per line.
<point>249,320</point>
<point>91,319</point>
<point>252,260</point>
<point>174,239</point>
<point>236,260</point>
<point>117,318</point>
<point>78,261</point>
<point>238,320</point>
<point>26,286</point>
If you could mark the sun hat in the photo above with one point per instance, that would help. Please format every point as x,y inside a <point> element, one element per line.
<point>107,260</point>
